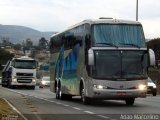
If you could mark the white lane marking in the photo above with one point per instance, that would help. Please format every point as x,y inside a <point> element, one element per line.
<point>40,98</point>
<point>15,109</point>
<point>66,105</point>
<point>76,108</point>
<point>45,99</point>
<point>51,101</point>
<point>17,92</point>
<point>89,112</point>
<point>102,116</point>
<point>58,103</point>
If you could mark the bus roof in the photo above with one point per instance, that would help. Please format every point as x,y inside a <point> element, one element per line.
<point>101,21</point>
<point>106,20</point>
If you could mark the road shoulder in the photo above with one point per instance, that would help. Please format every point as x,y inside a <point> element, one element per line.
<point>8,111</point>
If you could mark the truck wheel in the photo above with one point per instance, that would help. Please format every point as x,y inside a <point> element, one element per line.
<point>11,86</point>
<point>32,87</point>
<point>3,85</point>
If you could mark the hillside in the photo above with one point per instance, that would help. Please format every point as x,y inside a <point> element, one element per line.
<point>17,34</point>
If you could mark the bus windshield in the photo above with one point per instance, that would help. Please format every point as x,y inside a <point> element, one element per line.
<point>25,64</point>
<point>118,35</point>
<point>120,64</point>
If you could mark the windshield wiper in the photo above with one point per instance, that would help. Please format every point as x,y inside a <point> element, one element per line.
<point>110,44</point>
<point>130,44</point>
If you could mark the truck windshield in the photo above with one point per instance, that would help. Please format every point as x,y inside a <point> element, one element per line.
<point>120,64</point>
<point>25,64</point>
<point>118,35</point>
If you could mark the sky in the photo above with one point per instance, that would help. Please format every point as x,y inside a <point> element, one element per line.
<point>57,15</point>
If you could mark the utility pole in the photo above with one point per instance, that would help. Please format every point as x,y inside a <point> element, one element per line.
<point>137,11</point>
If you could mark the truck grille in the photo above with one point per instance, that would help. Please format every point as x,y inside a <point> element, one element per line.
<point>24,74</point>
<point>24,80</point>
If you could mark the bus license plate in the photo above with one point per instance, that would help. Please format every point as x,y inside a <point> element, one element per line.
<point>121,93</point>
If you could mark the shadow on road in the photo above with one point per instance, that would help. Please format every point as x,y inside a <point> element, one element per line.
<point>101,103</point>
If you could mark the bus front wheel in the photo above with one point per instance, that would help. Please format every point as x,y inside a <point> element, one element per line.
<point>130,101</point>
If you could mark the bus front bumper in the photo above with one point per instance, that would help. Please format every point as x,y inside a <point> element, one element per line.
<point>117,94</point>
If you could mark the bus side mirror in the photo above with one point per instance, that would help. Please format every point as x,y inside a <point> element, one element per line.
<point>90,57</point>
<point>152,59</point>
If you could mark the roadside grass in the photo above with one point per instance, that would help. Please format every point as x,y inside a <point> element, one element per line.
<point>7,112</point>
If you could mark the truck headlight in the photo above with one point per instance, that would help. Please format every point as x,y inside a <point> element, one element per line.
<point>34,80</point>
<point>142,87</point>
<point>14,80</point>
<point>99,86</point>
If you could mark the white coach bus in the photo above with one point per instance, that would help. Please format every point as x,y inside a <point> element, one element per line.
<point>100,59</point>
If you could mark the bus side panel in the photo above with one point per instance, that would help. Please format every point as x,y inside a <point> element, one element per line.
<point>70,84</point>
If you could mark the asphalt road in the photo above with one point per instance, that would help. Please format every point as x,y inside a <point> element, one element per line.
<point>40,104</point>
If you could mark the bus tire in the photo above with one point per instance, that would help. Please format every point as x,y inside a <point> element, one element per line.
<point>57,93</point>
<point>62,96</point>
<point>85,100</point>
<point>130,101</point>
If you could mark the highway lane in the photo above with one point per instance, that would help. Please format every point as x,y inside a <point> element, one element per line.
<point>44,102</point>
<point>102,106</point>
<point>40,109</point>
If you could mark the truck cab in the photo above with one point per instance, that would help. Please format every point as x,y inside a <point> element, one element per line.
<point>20,72</point>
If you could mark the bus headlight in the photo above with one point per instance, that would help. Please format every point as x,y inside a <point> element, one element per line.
<point>99,86</point>
<point>154,86</point>
<point>142,87</point>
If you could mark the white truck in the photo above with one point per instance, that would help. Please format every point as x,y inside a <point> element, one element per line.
<point>20,72</point>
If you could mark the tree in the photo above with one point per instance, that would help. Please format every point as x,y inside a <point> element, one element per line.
<point>5,41</point>
<point>4,57</point>
<point>29,43</point>
<point>17,46</point>
<point>43,43</point>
